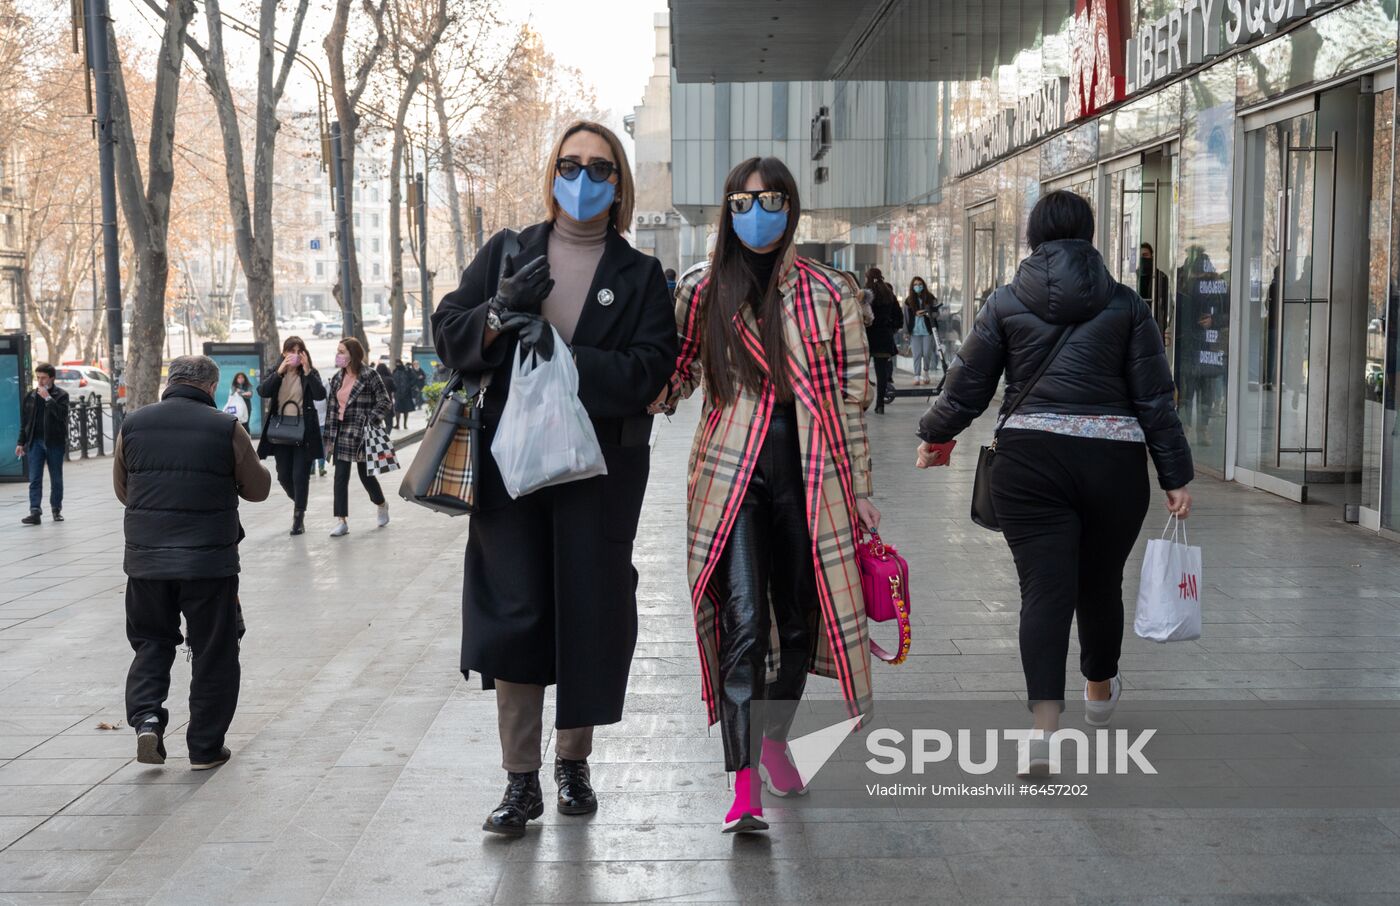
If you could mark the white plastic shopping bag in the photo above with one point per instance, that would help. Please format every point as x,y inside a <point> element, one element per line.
<point>1169,595</point>
<point>545,436</point>
<point>237,406</point>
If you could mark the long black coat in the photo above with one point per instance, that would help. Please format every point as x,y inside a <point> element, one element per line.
<point>888,320</point>
<point>312,389</point>
<point>550,591</point>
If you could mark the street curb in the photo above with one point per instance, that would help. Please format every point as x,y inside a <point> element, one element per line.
<point>409,439</point>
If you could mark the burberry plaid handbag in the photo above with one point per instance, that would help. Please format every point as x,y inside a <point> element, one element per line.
<point>446,471</point>
<point>379,450</point>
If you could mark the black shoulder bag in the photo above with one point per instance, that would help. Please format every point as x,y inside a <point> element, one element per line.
<point>446,471</point>
<point>287,429</point>
<point>983,513</point>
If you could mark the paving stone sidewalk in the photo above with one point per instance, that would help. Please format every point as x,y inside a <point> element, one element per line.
<point>364,763</point>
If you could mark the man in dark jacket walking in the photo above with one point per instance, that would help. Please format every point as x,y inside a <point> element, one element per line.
<point>181,466</point>
<point>43,437</point>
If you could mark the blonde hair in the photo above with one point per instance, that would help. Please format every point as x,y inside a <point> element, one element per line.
<point>620,216</point>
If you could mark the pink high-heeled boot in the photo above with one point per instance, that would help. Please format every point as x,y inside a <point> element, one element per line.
<point>778,772</point>
<point>746,814</point>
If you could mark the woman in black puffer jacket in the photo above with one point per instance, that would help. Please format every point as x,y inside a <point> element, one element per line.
<point>1070,479</point>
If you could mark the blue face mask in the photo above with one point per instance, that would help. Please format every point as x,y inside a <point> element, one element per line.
<point>918,288</point>
<point>582,198</point>
<point>758,228</point>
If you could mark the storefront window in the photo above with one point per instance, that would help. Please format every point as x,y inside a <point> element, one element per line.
<point>1201,339</point>
<point>1349,39</point>
<point>1389,331</point>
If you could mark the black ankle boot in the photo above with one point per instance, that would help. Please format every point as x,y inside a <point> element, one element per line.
<point>523,800</point>
<point>299,523</point>
<point>34,518</point>
<point>576,796</point>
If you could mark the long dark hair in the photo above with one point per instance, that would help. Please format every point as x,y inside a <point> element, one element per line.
<point>732,284</point>
<point>911,301</point>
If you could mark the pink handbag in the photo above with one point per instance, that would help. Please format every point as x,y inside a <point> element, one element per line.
<point>884,580</point>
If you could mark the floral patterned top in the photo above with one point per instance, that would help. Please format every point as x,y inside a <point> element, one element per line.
<point>1102,427</point>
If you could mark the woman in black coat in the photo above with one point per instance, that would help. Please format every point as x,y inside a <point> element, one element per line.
<point>1069,481</point>
<point>294,387</point>
<point>550,591</point>
<point>880,333</point>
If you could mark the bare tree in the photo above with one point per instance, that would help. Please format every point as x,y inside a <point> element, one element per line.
<point>347,90</point>
<point>146,199</point>
<point>252,224</point>
<point>469,64</point>
<point>416,28</point>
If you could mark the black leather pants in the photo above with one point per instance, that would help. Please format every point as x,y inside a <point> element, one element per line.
<point>767,562</point>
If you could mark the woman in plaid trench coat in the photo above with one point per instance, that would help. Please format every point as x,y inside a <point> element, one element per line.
<point>357,399</point>
<point>779,477</point>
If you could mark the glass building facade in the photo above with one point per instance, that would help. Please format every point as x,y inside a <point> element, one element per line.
<point>1249,198</point>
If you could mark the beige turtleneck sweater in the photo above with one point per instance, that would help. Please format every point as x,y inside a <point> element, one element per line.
<point>574,252</point>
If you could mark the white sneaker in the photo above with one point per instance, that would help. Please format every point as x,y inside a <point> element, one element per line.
<point>383,515</point>
<point>341,530</point>
<point>1035,753</point>
<point>1098,714</point>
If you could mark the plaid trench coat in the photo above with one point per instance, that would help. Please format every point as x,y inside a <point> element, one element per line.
<point>828,365</point>
<point>370,401</point>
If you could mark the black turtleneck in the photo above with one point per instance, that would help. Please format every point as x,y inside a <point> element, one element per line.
<point>761,265</point>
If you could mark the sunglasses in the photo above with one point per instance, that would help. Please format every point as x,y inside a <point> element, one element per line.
<point>598,170</point>
<point>769,200</point>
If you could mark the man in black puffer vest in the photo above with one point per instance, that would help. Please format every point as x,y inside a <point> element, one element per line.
<point>181,466</point>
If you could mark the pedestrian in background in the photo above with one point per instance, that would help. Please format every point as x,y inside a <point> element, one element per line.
<point>358,398</point>
<point>180,467</point>
<point>420,380</point>
<point>403,394</point>
<point>780,458</point>
<point>881,334</point>
<point>549,596</point>
<point>240,397</point>
<point>920,314</point>
<point>1069,481</point>
<point>43,439</point>
<point>294,385</point>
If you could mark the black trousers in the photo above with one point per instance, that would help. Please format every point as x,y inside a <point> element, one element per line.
<point>342,486</point>
<point>293,472</point>
<point>884,376</point>
<point>1071,509</point>
<point>210,609</point>
<point>767,563</point>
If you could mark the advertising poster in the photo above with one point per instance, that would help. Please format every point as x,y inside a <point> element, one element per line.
<point>13,370</point>
<point>233,358</point>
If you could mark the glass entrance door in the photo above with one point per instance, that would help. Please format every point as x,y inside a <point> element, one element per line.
<point>982,236</point>
<point>1302,385</point>
<point>1290,185</point>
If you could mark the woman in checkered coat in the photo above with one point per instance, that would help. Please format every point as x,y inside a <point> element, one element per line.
<point>357,399</point>
<point>779,476</point>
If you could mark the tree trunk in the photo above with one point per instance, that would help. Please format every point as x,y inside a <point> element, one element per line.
<point>449,170</point>
<point>147,340</point>
<point>396,298</point>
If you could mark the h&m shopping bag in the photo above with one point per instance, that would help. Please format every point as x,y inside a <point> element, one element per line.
<point>1169,595</point>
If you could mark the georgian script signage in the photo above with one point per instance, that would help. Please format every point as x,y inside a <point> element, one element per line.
<point>1096,57</point>
<point>1200,30</point>
<point>1035,116</point>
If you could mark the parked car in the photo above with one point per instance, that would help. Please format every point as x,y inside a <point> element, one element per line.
<point>302,323</point>
<point>240,325</point>
<point>375,320</point>
<point>85,382</point>
<point>175,329</point>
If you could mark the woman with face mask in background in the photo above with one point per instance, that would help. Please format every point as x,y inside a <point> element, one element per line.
<point>358,399</point>
<point>550,593</point>
<point>920,316</point>
<point>780,457</point>
<point>293,388</point>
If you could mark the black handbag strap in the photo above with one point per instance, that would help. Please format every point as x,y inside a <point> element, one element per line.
<point>1039,372</point>
<point>283,411</point>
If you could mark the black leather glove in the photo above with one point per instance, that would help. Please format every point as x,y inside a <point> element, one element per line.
<point>534,332</point>
<point>523,290</point>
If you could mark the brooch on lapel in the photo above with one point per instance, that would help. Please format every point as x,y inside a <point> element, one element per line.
<point>605,297</point>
